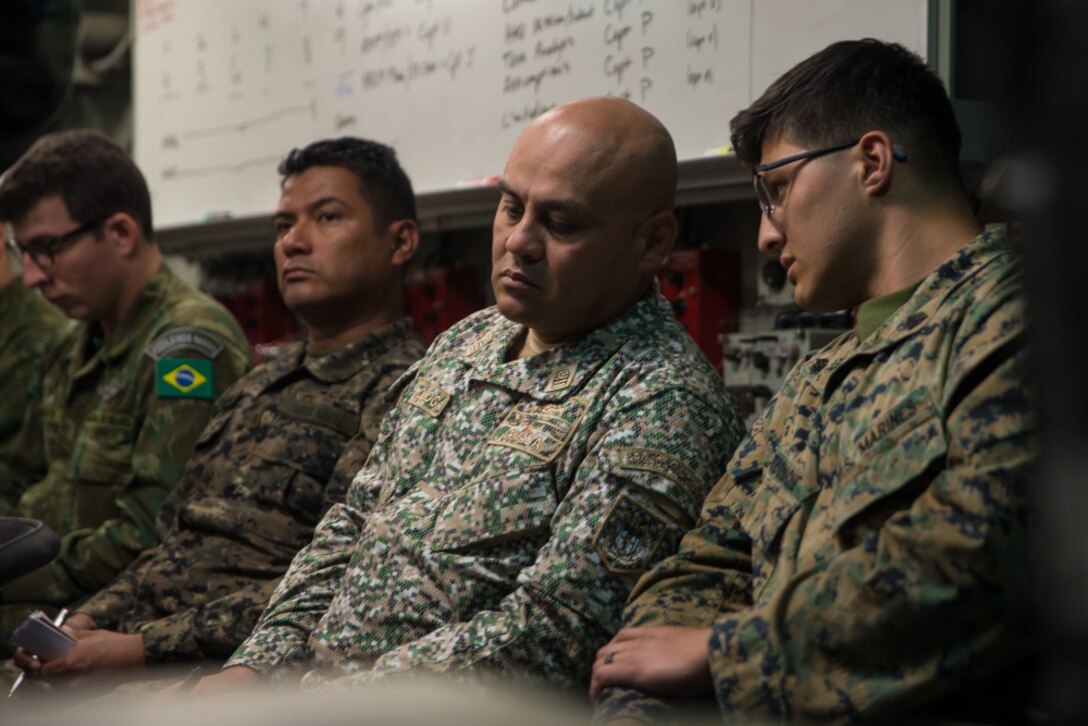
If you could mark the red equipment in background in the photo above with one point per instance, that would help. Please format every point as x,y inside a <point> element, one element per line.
<point>438,297</point>
<point>259,309</point>
<point>703,286</point>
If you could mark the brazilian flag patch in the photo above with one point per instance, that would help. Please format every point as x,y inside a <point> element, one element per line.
<point>183,378</point>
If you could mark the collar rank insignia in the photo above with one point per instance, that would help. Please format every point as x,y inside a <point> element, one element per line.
<point>560,378</point>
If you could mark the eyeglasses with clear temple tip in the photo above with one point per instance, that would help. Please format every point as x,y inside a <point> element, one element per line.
<point>768,201</point>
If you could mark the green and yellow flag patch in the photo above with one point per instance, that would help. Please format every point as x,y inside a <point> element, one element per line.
<point>183,378</point>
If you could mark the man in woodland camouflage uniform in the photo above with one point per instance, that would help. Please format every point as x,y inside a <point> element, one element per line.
<point>27,324</point>
<point>866,552</point>
<point>286,439</point>
<point>124,393</point>
<point>544,454</point>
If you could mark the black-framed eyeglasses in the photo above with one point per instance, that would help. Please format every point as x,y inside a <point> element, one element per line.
<point>768,200</point>
<point>44,249</point>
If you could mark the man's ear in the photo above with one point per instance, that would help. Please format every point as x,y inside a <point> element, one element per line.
<point>405,236</point>
<point>878,162</point>
<point>124,232</point>
<point>655,238</point>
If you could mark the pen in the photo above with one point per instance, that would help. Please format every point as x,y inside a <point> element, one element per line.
<point>57,621</point>
<point>189,682</point>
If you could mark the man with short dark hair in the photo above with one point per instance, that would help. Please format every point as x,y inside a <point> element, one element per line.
<point>866,552</point>
<point>286,439</point>
<point>543,454</point>
<point>124,393</point>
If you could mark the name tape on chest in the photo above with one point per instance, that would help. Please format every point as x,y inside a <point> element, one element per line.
<point>328,416</point>
<point>890,423</point>
<point>541,431</point>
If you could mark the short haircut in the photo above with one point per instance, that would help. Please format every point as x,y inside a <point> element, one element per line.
<point>852,87</point>
<point>382,182</point>
<point>92,175</point>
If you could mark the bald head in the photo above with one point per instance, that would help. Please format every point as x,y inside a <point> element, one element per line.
<point>614,143</point>
<point>586,216</point>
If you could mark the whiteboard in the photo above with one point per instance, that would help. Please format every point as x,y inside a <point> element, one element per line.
<point>224,88</point>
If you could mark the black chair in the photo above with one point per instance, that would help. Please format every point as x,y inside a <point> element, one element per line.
<point>25,545</point>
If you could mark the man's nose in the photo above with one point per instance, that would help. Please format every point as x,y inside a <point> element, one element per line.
<point>296,240</point>
<point>525,239</point>
<point>771,239</point>
<point>33,275</point>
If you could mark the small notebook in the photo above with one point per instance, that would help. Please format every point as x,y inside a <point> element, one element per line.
<point>38,636</point>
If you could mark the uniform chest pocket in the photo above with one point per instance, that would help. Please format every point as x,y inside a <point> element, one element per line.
<point>295,462</point>
<point>101,466</point>
<point>496,509</point>
<point>57,437</point>
<point>764,498</point>
<point>103,451</point>
<point>215,426</point>
<point>894,461</point>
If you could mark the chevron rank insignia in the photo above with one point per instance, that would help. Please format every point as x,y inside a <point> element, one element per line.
<point>183,378</point>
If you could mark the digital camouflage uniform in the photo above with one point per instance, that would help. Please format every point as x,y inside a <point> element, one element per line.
<point>116,434</point>
<point>508,507</point>
<point>283,444</point>
<point>27,325</point>
<point>866,551</point>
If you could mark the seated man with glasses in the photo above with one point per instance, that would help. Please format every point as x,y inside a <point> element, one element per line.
<point>122,395</point>
<point>865,554</point>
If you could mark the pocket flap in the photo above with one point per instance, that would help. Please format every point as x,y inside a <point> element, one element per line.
<point>496,508</point>
<point>895,452</point>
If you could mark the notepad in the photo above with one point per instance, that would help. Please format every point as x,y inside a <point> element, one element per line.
<point>38,636</point>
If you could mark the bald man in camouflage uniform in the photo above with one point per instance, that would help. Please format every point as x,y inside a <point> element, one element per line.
<point>27,325</point>
<point>124,393</point>
<point>285,441</point>
<point>866,553</point>
<point>544,454</point>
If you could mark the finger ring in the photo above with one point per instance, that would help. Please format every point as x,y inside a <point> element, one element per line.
<point>608,658</point>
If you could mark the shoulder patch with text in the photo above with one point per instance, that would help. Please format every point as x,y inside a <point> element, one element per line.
<point>184,339</point>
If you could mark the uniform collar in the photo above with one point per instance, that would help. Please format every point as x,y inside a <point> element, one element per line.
<point>917,311</point>
<point>139,317</point>
<point>555,374</point>
<point>343,364</point>
<point>14,299</point>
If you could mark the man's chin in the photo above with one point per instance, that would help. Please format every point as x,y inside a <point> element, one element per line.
<point>517,311</point>
<point>73,310</point>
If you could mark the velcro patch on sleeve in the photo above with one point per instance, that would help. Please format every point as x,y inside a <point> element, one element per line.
<point>665,466</point>
<point>192,339</point>
<point>630,536</point>
<point>184,378</point>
